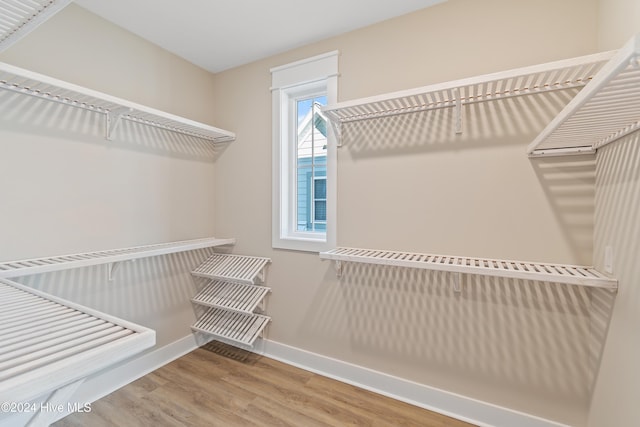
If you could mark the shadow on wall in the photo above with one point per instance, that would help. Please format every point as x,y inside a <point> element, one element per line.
<point>144,291</point>
<point>490,123</point>
<point>38,117</point>
<point>617,225</point>
<point>517,336</point>
<point>569,185</point>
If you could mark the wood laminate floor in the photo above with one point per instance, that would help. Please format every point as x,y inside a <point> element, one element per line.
<point>218,385</point>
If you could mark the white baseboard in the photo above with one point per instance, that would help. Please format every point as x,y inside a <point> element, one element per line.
<point>453,405</point>
<point>102,384</point>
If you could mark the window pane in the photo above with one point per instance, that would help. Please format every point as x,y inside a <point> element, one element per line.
<point>320,189</point>
<point>321,210</point>
<point>311,149</point>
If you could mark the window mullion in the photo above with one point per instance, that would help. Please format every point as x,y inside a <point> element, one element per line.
<point>312,196</point>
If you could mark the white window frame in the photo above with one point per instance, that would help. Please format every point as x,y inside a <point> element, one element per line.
<point>290,82</point>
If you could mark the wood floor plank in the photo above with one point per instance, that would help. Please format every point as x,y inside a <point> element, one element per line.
<point>219,385</point>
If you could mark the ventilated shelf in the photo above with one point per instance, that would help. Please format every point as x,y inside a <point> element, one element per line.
<point>65,262</point>
<point>565,74</point>
<point>114,109</point>
<point>47,343</point>
<point>237,328</point>
<point>555,273</point>
<point>231,296</point>
<point>19,17</point>
<point>607,109</point>
<point>236,268</point>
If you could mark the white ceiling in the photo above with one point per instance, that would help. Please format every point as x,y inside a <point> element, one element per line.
<point>222,34</point>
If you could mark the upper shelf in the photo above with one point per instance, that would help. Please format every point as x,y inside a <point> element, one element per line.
<point>19,17</point>
<point>569,73</point>
<point>607,109</point>
<point>65,262</point>
<point>115,109</point>
<point>555,273</point>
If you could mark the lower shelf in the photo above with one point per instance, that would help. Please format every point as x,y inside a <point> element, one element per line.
<point>47,343</point>
<point>238,328</point>
<point>554,273</point>
<point>231,296</point>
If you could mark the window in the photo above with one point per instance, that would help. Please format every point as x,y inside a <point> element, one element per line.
<point>304,178</point>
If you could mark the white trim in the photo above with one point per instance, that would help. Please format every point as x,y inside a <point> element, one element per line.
<point>301,62</point>
<point>107,382</point>
<point>453,405</point>
<point>316,74</point>
<point>433,399</point>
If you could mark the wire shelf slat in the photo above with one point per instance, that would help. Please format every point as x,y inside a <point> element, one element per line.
<point>239,328</point>
<point>231,296</point>
<point>545,272</point>
<point>236,268</point>
<point>11,269</point>
<point>50,342</point>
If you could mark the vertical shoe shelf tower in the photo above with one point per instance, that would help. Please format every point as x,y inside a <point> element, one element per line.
<point>234,298</point>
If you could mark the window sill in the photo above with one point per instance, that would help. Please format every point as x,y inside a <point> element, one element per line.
<point>303,244</point>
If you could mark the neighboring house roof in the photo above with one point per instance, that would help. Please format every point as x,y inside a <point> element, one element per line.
<point>312,133</point>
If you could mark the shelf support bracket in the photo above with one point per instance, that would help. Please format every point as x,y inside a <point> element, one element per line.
<point>57,399</point>
<point>112,267</point>
<point>261,276</point>
<point>458,111</point>
<point>457,282</point>
<point>113,120</point>
<point>337,131</point>
<point>339,269</point>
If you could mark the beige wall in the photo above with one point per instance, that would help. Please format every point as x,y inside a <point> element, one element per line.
<point>617,210</point>
<point>618,20</point>
<point>416,186</point>
<point>66,189</point>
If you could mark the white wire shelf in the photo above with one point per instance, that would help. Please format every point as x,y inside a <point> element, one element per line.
<point>607,109</point>
<point>236,268</point>
<point>65,262</point>
<point>114,109</point>
<point>554,273</point>
<point>47,343</point>
<point>19,17</point>
<point>231,296</point>
<point>558,75</point>
<point>237,328</point>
